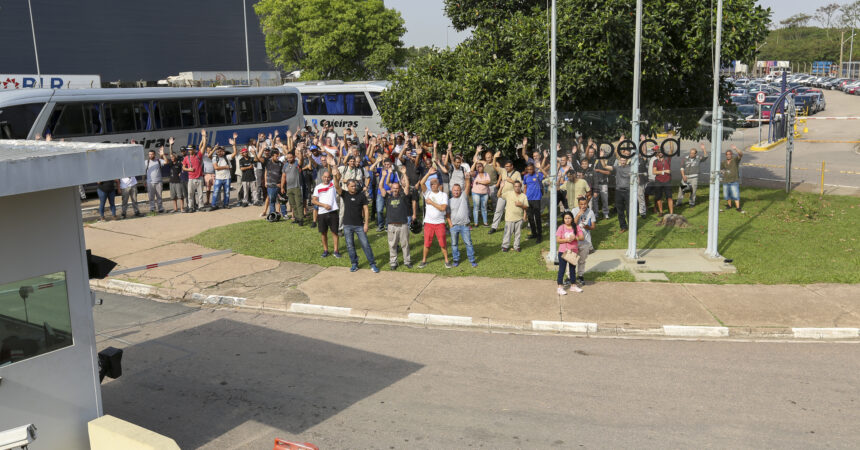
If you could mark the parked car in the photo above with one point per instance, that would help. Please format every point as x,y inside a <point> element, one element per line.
<point>745,112</point>
<point>818,100</point>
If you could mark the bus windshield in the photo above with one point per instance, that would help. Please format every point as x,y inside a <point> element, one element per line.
<point>16,121</point>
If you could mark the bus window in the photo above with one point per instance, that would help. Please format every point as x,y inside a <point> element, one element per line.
<point>260,113</point>
<point>230,109</point>
<point>186,110</point>
<point>16,121</point>
<point>143,116</point>
<point>375,97</point>
<point>314,104</point>
<point>201,112</point>
<point>94,115</point>
<point>70,121</point>
<point>122,117</point>
<point>334,104</point>
<point>167,115</point>
<point>246,111</point>
<point>282,107</point>
<point>357,104</point>
<point>215,111</point>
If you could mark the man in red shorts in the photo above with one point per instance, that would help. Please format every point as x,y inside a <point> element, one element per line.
<point>436,202</point>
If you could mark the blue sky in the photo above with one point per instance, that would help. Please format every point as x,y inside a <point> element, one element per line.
<point>426,23</point>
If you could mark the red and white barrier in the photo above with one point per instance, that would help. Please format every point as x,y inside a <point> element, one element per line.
<point>167,263</point>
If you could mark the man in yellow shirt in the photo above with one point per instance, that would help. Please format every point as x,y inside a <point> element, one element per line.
<point>516,204</point>
<point>507,177</point>
<point>576,188</point>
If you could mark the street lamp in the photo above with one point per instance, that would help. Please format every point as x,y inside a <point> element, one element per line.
<point>247,57</point>
<point>35,50</point>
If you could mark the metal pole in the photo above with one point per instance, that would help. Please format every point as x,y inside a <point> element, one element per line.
<point>553,143</point>
<point>35,50</point>
<point>716,145</point>
<point>633,207</point>
<point>247,54</point>
<point>790,112</point>
<point>841,50</point>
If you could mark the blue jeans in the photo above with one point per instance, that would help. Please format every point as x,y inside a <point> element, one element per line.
<point>348,231</point>
<point>380,204</point>
<point>479,199</point>
<point>562,263</point>
<point>109,196</point>
<point>456,231</point>
<point>732,191</point>
<point>216,192</point>
<point>273,200</point>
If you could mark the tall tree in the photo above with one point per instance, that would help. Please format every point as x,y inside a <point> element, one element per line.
<point>326,39</point>
<point>824,16</point>
<point>493,87</point>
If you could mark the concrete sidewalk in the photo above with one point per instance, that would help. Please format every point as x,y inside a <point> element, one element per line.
<point>425,299</point>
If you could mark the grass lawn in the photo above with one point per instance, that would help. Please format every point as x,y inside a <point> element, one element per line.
<point>794,238</point>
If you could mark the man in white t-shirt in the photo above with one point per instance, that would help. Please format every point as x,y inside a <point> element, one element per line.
<point>584,217</point>
<point>436,202</point>
<point>153,179</point>
<point>221,163</point>
<point>326,199</point>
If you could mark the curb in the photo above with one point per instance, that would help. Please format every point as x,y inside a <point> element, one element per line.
<point>586,329</point>
<point>764,146</point>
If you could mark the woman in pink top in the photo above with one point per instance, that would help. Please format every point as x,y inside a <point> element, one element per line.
<point>568,236</point>
<point>480,190</point>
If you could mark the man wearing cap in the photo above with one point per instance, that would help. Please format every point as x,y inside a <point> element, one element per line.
<point>273,170</point>
<point>221,164</point>
<point>193,165</point>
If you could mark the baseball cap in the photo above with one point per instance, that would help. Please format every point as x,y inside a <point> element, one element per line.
<point>314,147</point>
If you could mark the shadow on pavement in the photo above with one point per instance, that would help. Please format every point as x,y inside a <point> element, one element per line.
<point>199,383</point>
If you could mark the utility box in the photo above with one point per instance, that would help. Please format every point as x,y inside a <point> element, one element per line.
<point>48,358</point>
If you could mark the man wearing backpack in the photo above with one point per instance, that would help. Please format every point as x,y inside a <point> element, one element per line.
<point>154,180</point>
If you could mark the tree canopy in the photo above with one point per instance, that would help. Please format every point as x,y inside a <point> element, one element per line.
<point>332,39</point>
<point>493,87</point>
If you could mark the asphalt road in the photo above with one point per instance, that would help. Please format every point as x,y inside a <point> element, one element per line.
<point>228,379</point>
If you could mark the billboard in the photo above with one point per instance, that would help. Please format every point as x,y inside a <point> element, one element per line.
<point>822,67</point>
<point>19,81</point>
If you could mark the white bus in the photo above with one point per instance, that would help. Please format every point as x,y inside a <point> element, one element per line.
<point>343,104</point>
<point>149,116</point>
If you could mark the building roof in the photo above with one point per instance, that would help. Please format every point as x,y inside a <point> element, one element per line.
<point>32,166</point>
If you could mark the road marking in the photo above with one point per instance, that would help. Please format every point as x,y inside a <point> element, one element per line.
<point>322,310</point>
<point>438,319</point>
<point>693,331</point>
<point>825,141</point>
<point>826,333</point>
<point>568,327</point>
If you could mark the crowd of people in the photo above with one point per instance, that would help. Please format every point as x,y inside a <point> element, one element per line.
<point>339,184</point>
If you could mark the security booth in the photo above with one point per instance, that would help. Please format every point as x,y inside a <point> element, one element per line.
<point>49,370</point>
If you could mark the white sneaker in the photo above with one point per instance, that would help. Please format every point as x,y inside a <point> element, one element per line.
<point>561,291</point>
<point>575,288</point>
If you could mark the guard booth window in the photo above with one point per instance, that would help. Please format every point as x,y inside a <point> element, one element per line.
<point>34,317</point>
<point>16,121</point>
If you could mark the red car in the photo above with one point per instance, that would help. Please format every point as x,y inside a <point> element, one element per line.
<point>853,90</point>
<point>765,110</point>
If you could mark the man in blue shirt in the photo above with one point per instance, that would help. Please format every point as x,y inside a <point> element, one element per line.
<point>533,184</point>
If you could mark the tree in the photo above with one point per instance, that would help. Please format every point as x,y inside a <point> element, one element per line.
<point>332,39</point>
<point>413,52</point>
<point>493,87</point>
<point>824,16</point>
<point>850,14</point>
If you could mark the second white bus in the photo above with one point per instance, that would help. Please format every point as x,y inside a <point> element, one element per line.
<point>343,104</point>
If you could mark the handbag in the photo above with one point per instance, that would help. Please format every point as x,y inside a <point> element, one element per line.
<point>570,256</point>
